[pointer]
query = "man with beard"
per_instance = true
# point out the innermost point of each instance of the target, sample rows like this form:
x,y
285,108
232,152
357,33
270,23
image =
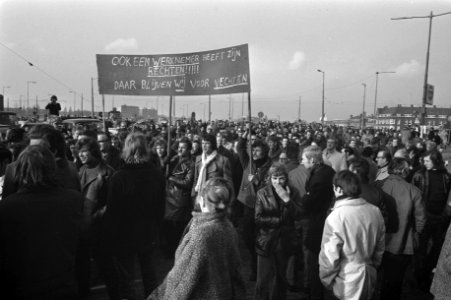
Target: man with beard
x,y
178,205
254,178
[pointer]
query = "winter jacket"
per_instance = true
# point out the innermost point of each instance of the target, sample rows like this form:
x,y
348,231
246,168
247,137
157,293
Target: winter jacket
x,y
207,262
352,248
274,220
410,212
178,189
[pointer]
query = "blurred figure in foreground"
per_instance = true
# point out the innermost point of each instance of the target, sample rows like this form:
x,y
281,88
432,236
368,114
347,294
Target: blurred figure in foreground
x,y
39,231
207,262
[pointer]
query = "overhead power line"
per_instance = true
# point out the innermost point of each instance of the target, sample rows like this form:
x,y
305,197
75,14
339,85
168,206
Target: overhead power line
x,y
38,68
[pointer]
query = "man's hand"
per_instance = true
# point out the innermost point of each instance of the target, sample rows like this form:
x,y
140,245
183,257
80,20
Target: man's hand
x,y
284,194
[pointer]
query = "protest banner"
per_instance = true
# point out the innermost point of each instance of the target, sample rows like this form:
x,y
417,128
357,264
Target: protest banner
x,y
221,71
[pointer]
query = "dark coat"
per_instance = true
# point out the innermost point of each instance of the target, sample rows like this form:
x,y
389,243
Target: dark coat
x,y
178,193
39,231
135,207
207,263
94,191
219,167
274,220
66,176
317,202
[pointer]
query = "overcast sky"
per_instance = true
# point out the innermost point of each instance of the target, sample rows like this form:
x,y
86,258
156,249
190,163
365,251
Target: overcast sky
x,y
288,42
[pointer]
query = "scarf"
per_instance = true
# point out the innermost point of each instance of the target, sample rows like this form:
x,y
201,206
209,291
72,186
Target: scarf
x,y
206,160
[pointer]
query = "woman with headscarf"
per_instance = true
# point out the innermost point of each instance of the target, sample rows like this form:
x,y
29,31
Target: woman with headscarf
x,y
207,262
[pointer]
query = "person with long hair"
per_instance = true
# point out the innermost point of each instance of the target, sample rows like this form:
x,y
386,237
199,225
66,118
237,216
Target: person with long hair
x,y
40,227
434,181
134,212
207,261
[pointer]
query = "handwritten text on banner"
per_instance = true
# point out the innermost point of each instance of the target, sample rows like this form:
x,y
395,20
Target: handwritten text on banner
x,y
221,71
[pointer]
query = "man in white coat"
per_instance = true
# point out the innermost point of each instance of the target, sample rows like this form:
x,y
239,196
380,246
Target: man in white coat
x,y
353,242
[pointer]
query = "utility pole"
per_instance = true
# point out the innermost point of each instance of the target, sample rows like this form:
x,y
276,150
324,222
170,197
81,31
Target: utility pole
x,y
92,97
299,109
425,85
375,91
363,109
82,104
322,106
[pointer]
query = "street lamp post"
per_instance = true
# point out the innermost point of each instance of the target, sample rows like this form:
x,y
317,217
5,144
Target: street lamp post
x,y
4,97
28,92
375,91
425,85
363,108
75,99
322,105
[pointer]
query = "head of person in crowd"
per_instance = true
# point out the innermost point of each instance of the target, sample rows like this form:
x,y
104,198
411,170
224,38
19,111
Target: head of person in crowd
x,y
361,167
260,150
433,160
196,148
368,152
421,146
293,152
346,185
395,142
353,143
216,195
49,136
135,149
209,129
104,141
348,152
331,144
285,141
88,134
6,157
383,158
16,141
160,148
430,145
283,158
312,156
228,143
401,152
77,131
115,142
184,147
72,146
36,168
278,175
219,139
89,152
273,143
414,156
399,166
208,144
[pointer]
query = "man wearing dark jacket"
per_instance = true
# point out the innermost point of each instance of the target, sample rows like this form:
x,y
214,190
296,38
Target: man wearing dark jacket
x,y
315,204
254,178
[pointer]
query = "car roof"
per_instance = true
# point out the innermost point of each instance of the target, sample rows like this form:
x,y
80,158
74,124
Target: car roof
x,y
81,121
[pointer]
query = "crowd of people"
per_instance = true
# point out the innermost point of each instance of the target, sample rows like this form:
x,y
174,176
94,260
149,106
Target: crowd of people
x,y
332,212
